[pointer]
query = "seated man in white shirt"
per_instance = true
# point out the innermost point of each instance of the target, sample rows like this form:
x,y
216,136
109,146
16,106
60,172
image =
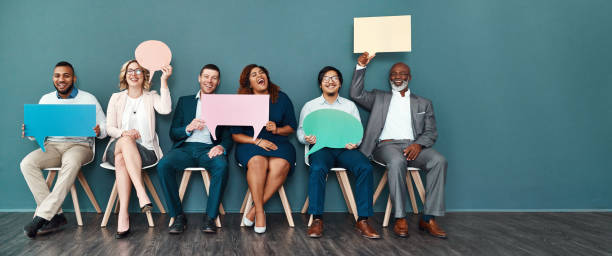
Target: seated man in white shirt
x,y
330,81
68,152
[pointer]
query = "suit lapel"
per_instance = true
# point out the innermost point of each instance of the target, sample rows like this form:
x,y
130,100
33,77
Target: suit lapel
x,y
413,110
385,109
190,112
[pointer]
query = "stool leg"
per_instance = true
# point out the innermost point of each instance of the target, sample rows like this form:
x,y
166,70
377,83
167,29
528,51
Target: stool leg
x,y
305,207
349,193
286,205
387,213
310,220
109,205
117,207
415,209
244,201
153,192
50,177
247,206
184,184
75,202
381,185
419,184
344,193
88,191
207,183
206,180
182,188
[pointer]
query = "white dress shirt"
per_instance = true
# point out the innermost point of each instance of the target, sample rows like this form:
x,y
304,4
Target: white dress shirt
x,y
82,97
398,125
202,136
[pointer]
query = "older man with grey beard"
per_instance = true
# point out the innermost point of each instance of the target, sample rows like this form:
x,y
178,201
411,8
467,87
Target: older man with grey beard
x,y
400,132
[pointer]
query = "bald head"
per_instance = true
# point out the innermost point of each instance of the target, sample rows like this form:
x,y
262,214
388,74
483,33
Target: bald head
x,y
399,73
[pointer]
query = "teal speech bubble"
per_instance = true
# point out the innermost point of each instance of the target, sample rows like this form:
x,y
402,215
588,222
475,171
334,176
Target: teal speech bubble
x,y
333,129
74,120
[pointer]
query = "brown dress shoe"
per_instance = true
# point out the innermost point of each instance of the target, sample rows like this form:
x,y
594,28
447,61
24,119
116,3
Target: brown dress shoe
x,y
401,227
316,228
366,230
432,228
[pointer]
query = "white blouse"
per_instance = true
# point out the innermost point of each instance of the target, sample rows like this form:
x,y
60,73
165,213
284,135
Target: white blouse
x,y
136,117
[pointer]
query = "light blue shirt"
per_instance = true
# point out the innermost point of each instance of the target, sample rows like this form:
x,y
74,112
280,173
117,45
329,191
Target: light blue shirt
x,y
72,95
201,136
341,104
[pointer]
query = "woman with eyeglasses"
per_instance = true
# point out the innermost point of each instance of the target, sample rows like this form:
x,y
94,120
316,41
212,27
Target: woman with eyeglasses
x,y
134,143
270,157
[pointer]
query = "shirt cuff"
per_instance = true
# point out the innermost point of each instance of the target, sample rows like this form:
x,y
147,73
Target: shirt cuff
x,y
188,133
359,67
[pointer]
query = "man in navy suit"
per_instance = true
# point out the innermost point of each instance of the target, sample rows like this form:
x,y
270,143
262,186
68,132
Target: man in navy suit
x,y
194,146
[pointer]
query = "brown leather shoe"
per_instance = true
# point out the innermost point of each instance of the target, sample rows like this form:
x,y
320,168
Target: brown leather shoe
x,y
316,228
432,228
366,230
401,227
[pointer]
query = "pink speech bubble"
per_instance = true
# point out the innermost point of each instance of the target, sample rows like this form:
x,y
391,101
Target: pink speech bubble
x,y
153,55
235,110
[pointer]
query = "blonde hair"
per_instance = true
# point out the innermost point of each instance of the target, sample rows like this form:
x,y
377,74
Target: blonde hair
x,y
123,76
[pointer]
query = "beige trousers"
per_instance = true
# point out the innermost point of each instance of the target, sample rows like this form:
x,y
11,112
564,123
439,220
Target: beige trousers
x,y
70,157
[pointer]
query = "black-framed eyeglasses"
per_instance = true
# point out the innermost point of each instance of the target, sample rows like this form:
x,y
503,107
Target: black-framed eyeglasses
x,y
331,78
134,71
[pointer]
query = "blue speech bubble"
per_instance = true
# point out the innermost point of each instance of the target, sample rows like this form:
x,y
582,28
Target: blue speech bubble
x,y
333,129
73,120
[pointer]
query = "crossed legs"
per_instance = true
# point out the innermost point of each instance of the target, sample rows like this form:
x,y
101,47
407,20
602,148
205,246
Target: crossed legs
x,y
128,168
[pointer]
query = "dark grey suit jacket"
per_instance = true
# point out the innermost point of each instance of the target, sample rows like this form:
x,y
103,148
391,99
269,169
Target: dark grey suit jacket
x,y
377,102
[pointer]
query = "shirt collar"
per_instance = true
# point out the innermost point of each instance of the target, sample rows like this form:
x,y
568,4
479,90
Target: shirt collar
x,y
198,94
72,95
323,101
407,94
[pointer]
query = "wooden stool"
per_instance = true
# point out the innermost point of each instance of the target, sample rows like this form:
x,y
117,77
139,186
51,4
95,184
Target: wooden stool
x,y
75,200
414,172
113,196
347,192
185,183
345,186
248,201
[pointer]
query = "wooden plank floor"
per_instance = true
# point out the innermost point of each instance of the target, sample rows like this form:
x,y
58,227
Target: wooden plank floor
x,y
469,234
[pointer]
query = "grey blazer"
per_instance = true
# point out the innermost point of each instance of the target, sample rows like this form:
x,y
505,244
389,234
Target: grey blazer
x,y
377,102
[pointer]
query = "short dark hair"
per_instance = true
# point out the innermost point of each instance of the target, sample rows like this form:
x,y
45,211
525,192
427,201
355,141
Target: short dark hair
x,y
329,68
65,64
211,66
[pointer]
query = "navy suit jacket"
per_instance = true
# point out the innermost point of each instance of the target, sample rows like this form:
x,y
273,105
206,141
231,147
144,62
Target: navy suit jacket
x,y
183,115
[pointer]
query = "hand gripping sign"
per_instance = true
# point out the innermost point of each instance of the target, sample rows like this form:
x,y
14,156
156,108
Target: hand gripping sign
x,y
235,110
73,120
153,55
333,129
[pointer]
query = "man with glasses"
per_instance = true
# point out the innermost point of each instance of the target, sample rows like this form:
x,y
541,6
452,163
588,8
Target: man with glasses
x,y
330,81
68,152
401,132
193,147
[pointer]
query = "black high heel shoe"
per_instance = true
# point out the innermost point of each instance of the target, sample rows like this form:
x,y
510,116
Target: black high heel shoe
x,y
146,208
121,235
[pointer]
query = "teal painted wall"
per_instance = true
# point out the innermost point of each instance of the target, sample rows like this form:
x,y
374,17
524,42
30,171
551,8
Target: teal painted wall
x,y
521,89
